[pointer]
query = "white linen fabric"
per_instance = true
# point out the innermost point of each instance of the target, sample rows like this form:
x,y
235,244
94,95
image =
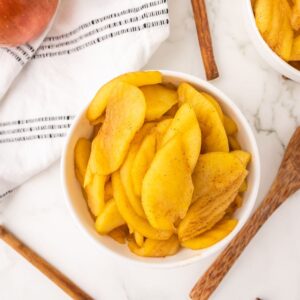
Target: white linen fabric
x,y
44,84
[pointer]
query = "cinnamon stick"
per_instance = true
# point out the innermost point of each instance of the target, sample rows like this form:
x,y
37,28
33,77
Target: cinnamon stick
x,y
204,37
51,272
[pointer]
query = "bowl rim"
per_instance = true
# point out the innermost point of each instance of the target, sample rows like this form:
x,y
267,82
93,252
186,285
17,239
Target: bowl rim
x,y
209,251
275,61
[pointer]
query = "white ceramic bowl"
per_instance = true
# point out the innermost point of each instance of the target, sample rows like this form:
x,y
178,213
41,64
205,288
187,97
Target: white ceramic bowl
x,y
78,207
263,48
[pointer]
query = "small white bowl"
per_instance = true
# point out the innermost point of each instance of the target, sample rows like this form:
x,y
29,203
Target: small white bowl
x,y
263,48
78,207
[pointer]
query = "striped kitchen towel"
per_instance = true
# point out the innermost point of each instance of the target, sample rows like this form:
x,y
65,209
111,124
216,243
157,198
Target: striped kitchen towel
x,y
44,84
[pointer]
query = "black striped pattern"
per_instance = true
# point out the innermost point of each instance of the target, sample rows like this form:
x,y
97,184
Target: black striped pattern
x,y
6,193
32,137
91,33
101,39
34,129
22,54
14,55
96,30
39,119
91,23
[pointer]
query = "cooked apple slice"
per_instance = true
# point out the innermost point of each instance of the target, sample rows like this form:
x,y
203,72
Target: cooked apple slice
x,y
81,157
126,169
271,36
155,248
207,211
286,34
108,191
100,101
263,10
160,130
159,99
229,125
95,194
133,220
109,219
212,236
167,187
243,156
215,172
142,161
186,125
139,239
295,18
215,103
233,143
125,115
295,54
214,137
119,234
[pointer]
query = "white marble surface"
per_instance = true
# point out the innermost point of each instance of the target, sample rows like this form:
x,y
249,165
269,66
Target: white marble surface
x,y
269,268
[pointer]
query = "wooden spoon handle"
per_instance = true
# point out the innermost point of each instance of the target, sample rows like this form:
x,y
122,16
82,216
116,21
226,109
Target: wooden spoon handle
x,y
280,190
51,272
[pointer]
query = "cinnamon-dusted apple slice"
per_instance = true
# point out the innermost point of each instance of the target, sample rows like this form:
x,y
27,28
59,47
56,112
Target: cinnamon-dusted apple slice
x,y
126,169
229,125
263,10
142,161
110,218
167,187
133,220
295,18
243,156
186,125
214,137
100,101
215,103
159,99
81,157
215,172
125,115
139,239
160,130
212,236
207,211
95,193
155,248
119,234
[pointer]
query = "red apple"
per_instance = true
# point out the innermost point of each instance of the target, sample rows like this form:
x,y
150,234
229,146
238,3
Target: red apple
x,y
24,20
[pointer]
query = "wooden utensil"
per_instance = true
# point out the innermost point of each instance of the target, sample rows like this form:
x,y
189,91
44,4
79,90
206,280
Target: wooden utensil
x,y
51,272
204,38
285,184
